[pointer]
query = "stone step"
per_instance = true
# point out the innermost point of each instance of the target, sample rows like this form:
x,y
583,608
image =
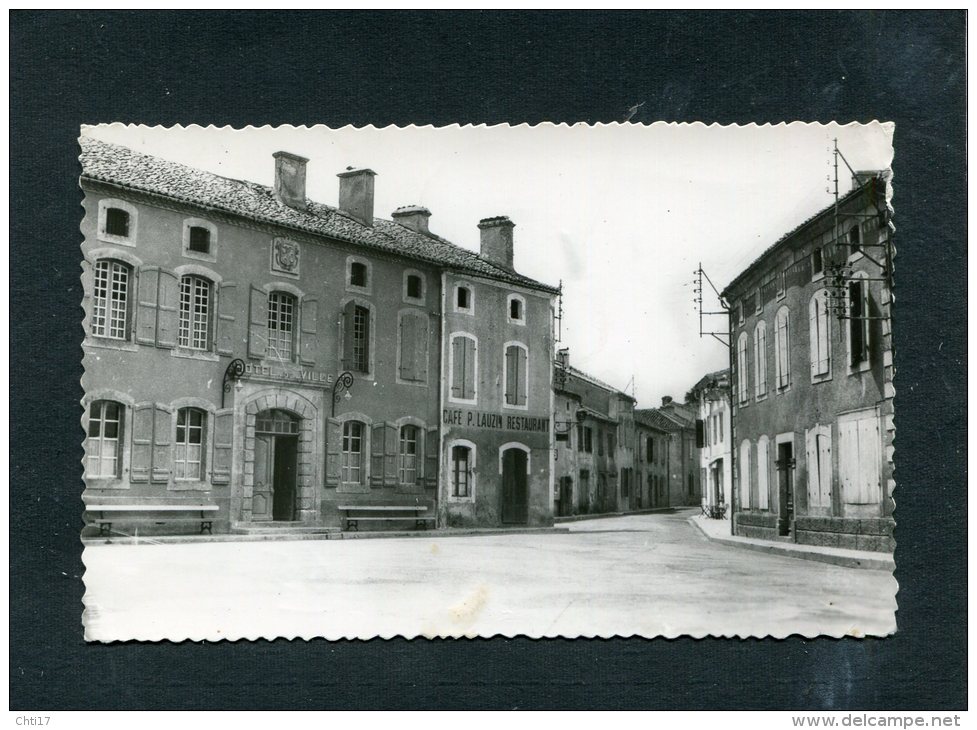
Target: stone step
x,y
280,528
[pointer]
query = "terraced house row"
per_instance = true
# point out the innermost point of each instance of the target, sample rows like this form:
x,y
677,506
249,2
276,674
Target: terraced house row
x,y
275,360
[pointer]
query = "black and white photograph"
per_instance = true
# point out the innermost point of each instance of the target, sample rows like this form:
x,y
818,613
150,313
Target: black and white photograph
x,y
548,381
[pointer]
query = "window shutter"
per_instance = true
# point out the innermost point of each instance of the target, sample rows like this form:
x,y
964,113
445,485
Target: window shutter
x,y
162,445
824,464
510,374
258,323
521,376
848,460
407,346
223,446
813,478
762,472
824,334
856,324
348,316
366,342
762,350
421,337
310,313
141,457
431,449
700,433
227,305
334,438
869,448
458,367
146,305
391,452
376,454
168,311
469,380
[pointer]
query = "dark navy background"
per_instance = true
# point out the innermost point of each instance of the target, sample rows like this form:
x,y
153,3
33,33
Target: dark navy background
x,y
69,68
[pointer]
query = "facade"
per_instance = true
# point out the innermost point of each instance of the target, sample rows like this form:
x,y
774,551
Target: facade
x,y
711,394
653,434
812,380
594,444
279,358
681,488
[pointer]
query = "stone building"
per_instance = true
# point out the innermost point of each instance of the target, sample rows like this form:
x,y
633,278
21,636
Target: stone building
x,y
713,435
277,357
682,459
653,434
594,444
812,380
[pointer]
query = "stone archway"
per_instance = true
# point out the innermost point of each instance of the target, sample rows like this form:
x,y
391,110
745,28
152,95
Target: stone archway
x,y
306,502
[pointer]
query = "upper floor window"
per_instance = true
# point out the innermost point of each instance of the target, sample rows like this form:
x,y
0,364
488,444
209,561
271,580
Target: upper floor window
x,y
854,239
117,222
102,447
760,359
352,453
463,299
464,367
199,239
740,316
281,325
195,310
408,455
610,444
859,311
461,471
413,336
820,329
588,440
741,368
516,374
600,443
650,450
414,287
517,309
358,274
110,314
817,263
188,455
782,348
757,302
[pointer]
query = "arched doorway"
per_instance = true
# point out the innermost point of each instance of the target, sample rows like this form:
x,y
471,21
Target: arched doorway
x,y
515,492
276,438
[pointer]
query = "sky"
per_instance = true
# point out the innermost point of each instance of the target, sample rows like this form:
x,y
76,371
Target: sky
x,y
622,214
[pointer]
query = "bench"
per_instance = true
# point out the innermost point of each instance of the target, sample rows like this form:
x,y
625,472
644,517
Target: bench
x,y
351,514
106,515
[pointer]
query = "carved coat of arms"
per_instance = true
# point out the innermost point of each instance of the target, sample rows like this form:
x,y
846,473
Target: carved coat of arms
x,y
285,256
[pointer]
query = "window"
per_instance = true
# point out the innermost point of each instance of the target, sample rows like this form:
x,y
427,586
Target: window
x,y
782,348
858,321
781,284
281,325
517,309
104,437
194,313
463,367
110,314
760,359
358,275
743,376
199,240
650,446
745,475
820,334
819,467
463,299
719,420
757,302
739,312
817,263
600,443
414,287
859,459
516,375
117,222
461,466
588,440
352,453
188,459
855,239
408,455
762,470
610,444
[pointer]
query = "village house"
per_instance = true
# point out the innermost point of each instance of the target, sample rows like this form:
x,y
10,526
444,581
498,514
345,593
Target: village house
x,y
274,359
812,377
713,438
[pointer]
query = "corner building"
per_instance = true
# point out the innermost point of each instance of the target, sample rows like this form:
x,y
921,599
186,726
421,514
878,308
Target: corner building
x,y
277,357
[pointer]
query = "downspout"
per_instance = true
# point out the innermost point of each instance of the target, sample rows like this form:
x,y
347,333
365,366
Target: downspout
x,y
442,487
733,481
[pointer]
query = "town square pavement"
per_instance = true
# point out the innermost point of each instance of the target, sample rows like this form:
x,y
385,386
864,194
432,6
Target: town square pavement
x,y
650,575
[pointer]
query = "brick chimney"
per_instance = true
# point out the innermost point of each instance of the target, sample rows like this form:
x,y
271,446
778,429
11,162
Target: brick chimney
x,y
290,179
497,240
356,195
414,217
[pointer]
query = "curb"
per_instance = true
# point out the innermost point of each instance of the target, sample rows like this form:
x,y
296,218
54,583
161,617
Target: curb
x,y
844,561
602,515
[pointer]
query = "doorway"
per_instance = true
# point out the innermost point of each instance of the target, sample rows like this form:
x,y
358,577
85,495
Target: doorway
x,y
515,498
275,466
785,486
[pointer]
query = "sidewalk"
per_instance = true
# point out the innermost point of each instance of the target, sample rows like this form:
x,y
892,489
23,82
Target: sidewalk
x,y
600,515
719,531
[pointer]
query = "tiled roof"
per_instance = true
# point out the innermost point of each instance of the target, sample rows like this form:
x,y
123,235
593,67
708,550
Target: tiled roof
x,y
654,418
720,378
599,383
851,195
117,165
594,413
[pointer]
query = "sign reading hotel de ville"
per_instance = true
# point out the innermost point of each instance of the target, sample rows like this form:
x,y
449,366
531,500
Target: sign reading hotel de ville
x,y
287,374
494,421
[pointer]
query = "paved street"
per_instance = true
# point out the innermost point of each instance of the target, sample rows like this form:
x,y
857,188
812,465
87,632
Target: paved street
x,y
644,574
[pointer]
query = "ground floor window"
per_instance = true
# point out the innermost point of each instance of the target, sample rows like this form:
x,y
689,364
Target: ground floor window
x,y
352,454
104,438
408,455
188,458
461,457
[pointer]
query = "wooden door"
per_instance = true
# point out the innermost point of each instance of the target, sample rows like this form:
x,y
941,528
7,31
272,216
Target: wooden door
x,y
283,500
515,499
785,484
262,495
